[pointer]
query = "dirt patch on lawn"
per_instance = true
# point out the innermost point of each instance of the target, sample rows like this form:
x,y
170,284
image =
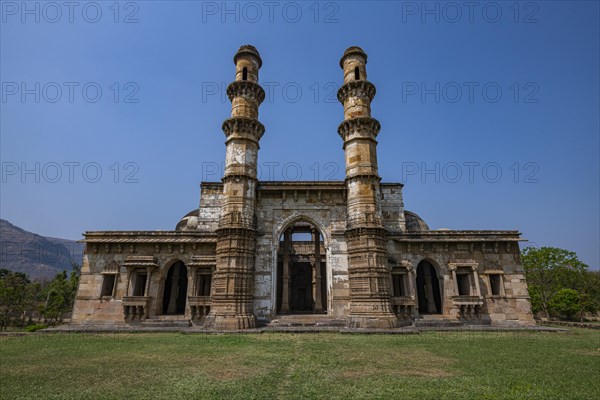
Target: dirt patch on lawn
x,y
225,367
405,362
591,352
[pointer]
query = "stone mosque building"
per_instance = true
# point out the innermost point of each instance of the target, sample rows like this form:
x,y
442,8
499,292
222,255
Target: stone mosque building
x,y
339,253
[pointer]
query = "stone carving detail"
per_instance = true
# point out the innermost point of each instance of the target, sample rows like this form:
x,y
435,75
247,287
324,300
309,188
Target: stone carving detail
x,y
366,127
243,125
356,89
247,89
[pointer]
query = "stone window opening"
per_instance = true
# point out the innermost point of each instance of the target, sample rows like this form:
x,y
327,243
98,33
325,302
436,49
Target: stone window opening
x,y
203,284
108,285
463,282
199,298
245,74
466,279
139,285
356,74
399,284
496,284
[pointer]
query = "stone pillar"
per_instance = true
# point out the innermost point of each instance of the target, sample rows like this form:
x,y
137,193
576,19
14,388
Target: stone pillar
x,y
285,288
429,289
453,269
148,277
172,308
476,277
410,289
368,272
192,289
127,284
233,281
317,272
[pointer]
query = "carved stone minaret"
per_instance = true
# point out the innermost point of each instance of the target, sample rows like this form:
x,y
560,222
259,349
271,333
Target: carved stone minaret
x,y
233,281
369,277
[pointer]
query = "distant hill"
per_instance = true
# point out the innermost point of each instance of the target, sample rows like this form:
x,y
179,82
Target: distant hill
x,y
38,256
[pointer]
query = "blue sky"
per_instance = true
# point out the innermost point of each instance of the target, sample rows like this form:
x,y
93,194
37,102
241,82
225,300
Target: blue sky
x,y
489,110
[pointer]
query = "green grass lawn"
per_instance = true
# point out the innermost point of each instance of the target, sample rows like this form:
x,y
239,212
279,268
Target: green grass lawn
x,y
435,365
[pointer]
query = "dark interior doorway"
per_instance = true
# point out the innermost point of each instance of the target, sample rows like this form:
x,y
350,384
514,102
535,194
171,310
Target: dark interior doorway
x,y
302,299
301,271
428,289
175,292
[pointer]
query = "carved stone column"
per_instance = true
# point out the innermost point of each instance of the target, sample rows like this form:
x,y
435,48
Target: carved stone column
x,y
172,308
317,272
148,276
127,284
429,290
285,288
453,269
476,277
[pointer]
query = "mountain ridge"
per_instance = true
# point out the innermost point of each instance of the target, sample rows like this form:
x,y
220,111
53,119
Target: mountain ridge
x,y
38,256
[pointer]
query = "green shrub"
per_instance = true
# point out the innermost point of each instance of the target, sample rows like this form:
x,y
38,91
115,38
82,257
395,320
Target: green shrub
x,y
35,327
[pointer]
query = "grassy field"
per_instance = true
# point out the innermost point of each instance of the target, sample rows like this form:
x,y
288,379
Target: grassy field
x,y
435,365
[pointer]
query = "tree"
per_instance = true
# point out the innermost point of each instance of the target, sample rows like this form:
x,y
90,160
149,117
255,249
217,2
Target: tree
x,y
16,297
549,270
60,296
566,303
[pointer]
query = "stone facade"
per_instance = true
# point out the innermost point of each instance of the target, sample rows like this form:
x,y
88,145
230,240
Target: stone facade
x,y
256,250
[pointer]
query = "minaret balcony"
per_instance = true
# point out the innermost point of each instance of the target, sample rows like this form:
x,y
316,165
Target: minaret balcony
x,y
242,127
247,89
360,88
362,127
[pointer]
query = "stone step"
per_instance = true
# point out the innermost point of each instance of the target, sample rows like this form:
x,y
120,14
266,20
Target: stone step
x,y
306,320
437,322
435,317
166,323
177,317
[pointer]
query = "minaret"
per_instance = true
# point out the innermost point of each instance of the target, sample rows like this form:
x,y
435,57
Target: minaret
x,y
233,280
369,277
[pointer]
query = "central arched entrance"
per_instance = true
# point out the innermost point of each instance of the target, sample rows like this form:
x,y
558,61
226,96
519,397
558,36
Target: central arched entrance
x,y
175,290
301,270
428,289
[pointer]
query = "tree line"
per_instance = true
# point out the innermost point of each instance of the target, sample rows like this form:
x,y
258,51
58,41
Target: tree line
x,y
33,303
560,285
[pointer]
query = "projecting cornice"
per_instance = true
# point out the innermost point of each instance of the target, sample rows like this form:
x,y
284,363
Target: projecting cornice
x,y
356,89
247,89
359,126
243,125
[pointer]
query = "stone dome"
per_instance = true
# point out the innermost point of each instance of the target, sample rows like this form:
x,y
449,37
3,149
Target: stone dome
x,y
352,50
414,223
189,222
248,49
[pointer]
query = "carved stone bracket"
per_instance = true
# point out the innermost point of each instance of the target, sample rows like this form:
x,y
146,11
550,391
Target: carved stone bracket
x,y
250,126
356,89
247,89
359,125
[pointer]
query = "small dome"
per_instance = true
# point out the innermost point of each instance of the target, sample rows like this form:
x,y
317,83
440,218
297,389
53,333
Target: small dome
x,y
248,49
414,223
189,222
352,50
